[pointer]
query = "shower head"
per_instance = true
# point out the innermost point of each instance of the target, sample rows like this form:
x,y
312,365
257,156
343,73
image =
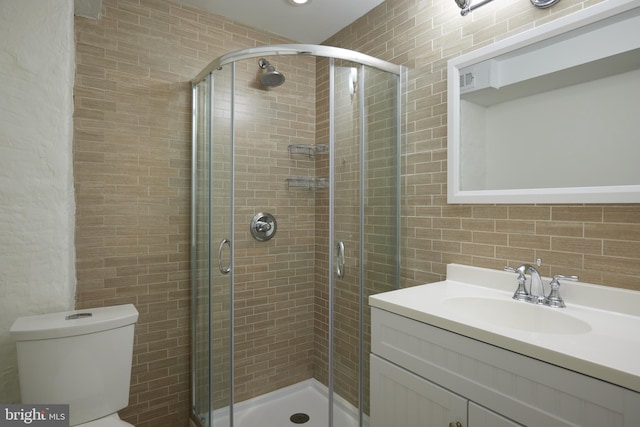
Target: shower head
x,y
271,77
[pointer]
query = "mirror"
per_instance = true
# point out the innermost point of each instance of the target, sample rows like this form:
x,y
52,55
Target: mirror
x,y
550,115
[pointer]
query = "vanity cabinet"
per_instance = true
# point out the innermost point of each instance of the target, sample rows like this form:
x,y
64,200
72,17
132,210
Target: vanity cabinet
x,y
422,375
402,398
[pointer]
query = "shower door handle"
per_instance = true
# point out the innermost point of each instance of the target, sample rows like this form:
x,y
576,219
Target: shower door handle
x,y
340,260
227,269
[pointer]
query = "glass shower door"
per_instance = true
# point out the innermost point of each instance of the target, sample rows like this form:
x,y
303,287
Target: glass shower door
x,y
346,250
221,198
365,228
212,250
380,200
347,233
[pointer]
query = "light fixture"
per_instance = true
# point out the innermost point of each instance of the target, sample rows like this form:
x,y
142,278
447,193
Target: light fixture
x,y
467,7
299,2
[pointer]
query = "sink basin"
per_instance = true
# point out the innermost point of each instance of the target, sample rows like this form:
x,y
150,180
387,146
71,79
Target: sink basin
x,y
517,315
595,335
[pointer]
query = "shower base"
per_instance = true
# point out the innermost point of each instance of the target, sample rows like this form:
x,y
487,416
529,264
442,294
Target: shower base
x,y
277,408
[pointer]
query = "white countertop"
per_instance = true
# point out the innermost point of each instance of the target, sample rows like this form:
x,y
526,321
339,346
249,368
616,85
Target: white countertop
x,y
602,338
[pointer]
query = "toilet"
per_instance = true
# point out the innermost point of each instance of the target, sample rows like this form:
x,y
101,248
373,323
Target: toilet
x,y
81,358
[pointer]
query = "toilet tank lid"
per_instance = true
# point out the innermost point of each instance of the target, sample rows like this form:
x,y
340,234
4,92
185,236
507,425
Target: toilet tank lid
x,y
71,323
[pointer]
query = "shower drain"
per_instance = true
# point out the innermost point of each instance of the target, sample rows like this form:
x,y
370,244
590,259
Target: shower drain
x,y
299,418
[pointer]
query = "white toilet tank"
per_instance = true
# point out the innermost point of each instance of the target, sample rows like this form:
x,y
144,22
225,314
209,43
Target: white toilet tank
x,y
80,357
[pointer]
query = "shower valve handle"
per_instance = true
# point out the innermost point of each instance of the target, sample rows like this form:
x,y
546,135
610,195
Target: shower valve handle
x,y
263,226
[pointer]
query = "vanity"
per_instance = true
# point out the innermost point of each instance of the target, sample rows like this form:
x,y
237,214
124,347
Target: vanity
x,y
463,352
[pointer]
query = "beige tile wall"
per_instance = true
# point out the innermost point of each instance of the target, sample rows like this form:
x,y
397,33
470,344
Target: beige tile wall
x,y
131,167
274,279
600,243
132,156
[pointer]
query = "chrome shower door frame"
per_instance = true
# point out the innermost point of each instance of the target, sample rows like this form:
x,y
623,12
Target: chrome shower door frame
x,y
215,245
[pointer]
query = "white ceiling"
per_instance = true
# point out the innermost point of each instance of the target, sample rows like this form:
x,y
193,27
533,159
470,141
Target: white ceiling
x,y
312,23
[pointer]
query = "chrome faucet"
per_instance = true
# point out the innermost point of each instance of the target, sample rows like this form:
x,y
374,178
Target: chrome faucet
x,y
535,294
521,293
536,287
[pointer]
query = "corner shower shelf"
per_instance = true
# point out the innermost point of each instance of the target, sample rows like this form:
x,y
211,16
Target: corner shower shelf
x,y
307,182
309,150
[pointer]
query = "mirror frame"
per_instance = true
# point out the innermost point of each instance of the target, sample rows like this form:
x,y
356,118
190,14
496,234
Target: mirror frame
x,y
596,194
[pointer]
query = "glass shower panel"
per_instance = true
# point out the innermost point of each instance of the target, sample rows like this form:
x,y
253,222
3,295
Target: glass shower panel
x,y
211,257
381,200
347,136
221,222
200,253
366,204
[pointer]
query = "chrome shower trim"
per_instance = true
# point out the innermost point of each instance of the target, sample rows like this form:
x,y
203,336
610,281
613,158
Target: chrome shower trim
x,y
332,198
297,49
232,280
362,244
192,243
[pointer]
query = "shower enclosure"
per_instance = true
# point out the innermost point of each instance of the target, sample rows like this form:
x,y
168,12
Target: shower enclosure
x,y
295,222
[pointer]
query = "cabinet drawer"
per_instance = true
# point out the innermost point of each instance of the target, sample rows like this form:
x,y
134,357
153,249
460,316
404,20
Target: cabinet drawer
x,y
523,389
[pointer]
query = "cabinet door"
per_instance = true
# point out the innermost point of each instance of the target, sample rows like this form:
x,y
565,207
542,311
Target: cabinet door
x,y
400,398
482,417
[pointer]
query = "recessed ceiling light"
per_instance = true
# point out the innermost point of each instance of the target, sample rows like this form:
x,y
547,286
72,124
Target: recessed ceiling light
x,y
299,2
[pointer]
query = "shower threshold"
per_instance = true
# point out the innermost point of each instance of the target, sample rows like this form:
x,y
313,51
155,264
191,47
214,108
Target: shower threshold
x,y
287,407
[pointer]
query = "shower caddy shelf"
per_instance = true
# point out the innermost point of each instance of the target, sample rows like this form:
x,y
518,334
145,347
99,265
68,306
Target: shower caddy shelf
x,y
310,183
309,150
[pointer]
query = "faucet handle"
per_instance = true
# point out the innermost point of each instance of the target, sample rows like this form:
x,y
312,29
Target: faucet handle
x,y
520,270
554,299
521,293
561,277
